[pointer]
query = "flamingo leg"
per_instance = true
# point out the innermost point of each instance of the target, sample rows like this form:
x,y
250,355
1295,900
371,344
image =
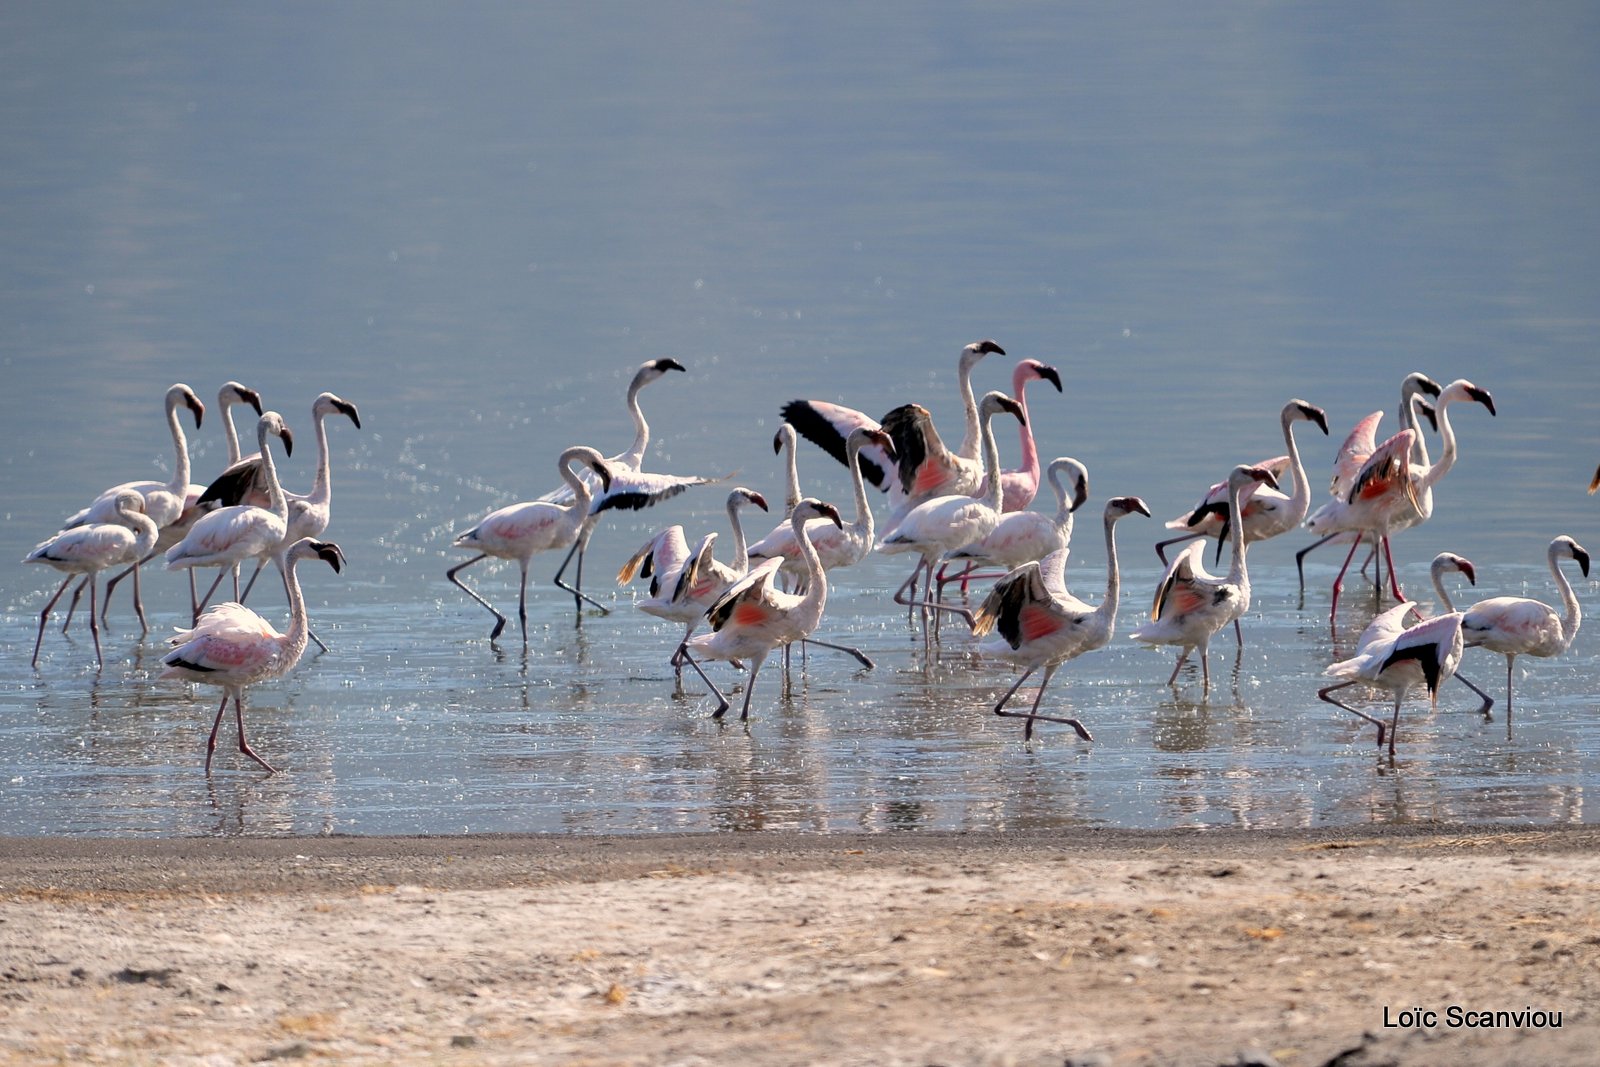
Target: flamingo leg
x,y
44,617
216,724
72,605
1300,560
209,592
1162,546
906,594
755,669
1338,583
1510,660
251,584
1205,669
522,602
500,620
1014,687
1394,581
1238,634
244,746
578,595
1032,714
138,600
860,656
1394,724
1322,694
111,584
722,701
1488,701
94,623
1178,666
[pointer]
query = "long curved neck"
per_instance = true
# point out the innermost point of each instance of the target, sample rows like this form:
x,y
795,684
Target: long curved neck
x,y
993,491
582,494
1063,506
791,493
1409,421
1237,575
1441,592
1300,499
1447,438
973,432
299,625
816,595
863,505
1030,451
229,431
179,485
1108,607
741,556
276,502
1573,616
641,429
322,490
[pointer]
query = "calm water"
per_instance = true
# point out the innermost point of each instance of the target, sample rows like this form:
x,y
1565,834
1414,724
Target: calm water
x,y
475,221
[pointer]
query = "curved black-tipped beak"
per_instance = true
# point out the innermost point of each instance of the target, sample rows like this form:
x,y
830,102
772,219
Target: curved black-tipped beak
x,y
288,441
1049,374
1008,404
759,501
777,442
989,348
1481,396
251,397
1137,504
1466,567
885,442
1267,477
331,554
1583,560
1316,415
199,409
349,409
831,513
1427,384
1080,494
1430,413
669,364
604,473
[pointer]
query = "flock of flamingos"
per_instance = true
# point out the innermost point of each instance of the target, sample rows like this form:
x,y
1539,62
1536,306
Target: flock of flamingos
x,y
962,516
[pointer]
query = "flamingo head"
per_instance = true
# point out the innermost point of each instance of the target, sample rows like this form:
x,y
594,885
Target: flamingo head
x,y
747,496
272,423
996,401
1118,506
1032,370
862,436
182,394
1244,475
1417,382
235,393
1567,546
1302,411
784,436
327,551
329,404
1449,561
812,508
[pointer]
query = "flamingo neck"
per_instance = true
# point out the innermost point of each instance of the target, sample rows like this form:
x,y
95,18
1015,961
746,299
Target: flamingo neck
x,y
972,433
1440,591
1300,499
229,431
816,594
863,505
299,626
322,490
1409,421
1447,438
1107,611
641,429
741,554
1237,575
1572,618
179,485
276,502
1030,452
582,494
994,492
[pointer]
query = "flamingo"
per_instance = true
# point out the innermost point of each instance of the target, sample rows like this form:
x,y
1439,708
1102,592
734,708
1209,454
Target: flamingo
x,y
233,647
1267,513
309,513
163,501
1025,536
836,546
666,560
629,489
925,467
1042,625
753,616
1191,605
231,535
1518,626
231,394
92,547
1393,491
1358,446
1398,658
945,523
517,531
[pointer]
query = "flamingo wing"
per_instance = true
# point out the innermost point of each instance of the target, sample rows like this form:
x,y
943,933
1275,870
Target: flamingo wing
x,y
1353,453
635,490
828,426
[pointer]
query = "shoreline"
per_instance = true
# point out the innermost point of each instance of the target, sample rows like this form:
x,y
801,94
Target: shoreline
x,y
1091,946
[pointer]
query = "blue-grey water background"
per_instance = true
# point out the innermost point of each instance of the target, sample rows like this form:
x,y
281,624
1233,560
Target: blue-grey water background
x,y
474,221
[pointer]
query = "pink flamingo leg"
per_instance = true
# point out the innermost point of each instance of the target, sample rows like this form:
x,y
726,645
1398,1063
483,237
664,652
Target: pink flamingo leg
x,y
1338,583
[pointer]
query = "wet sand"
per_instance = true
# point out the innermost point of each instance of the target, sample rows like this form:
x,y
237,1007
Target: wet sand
x,y
1085,947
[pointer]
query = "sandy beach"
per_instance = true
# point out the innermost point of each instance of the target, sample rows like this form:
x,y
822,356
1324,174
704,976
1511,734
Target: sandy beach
x,y
1103,948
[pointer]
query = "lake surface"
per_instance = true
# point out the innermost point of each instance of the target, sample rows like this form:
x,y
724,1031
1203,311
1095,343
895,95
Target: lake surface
x,y
475,221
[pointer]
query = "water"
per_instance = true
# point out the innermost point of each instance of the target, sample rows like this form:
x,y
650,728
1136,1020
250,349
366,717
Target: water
x,y
475,222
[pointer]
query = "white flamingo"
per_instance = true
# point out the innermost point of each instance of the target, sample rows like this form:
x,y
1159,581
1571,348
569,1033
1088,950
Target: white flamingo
x,y
231,394
233,647
923,467
163,501
1519,626
666,560
1398,658
93,547
231,535
946,523
1040,624
1267,512
1191,605
518,531
629,489
753,616
1025,536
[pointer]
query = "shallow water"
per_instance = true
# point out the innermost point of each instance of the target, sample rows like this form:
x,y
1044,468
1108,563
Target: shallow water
x,y
476,224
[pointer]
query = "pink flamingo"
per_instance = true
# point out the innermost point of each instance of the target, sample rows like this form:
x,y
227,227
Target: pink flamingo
x,y
519,531
1042,625
93,547
753,617
233,647
1025,536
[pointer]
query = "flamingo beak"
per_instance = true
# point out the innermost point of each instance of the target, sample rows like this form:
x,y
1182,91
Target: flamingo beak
x,y
1049,374
347,408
